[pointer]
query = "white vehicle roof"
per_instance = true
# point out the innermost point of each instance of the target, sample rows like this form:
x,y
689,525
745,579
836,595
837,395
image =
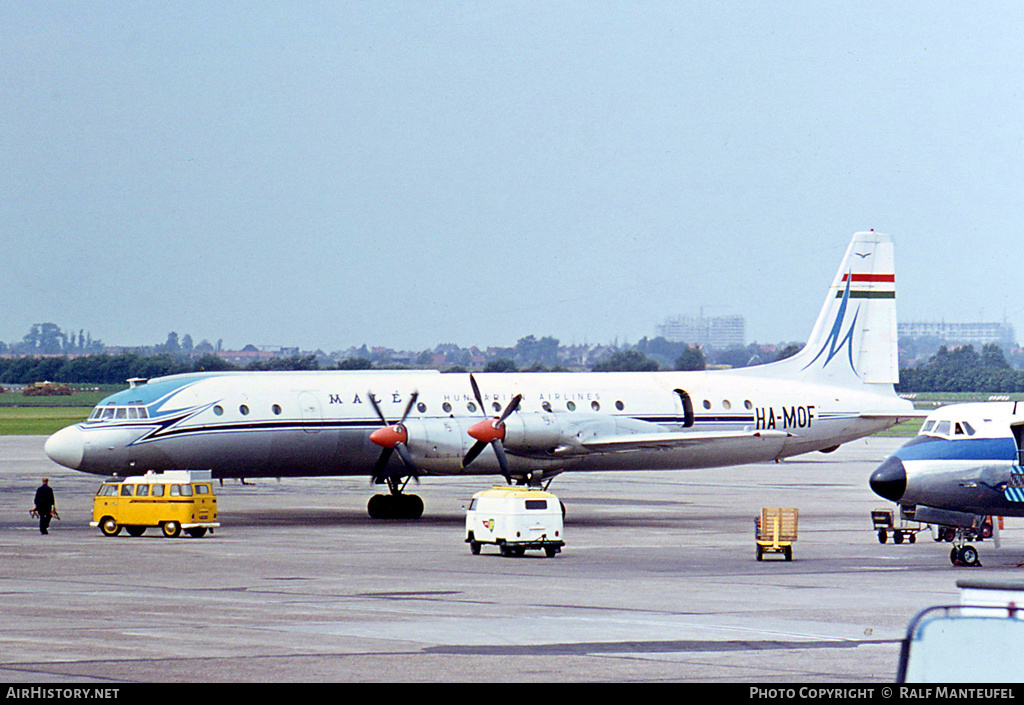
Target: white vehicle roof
x,y
167,477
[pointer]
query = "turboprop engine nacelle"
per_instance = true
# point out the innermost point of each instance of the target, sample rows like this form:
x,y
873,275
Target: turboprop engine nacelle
x,y
566,433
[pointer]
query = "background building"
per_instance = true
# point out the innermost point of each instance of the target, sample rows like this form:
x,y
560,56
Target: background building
x,y
713,331
976,334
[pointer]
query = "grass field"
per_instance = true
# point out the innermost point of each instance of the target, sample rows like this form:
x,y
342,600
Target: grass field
x,y
39,420
32,416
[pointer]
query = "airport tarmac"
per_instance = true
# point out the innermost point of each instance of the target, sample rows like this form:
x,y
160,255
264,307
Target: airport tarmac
x,y
657,583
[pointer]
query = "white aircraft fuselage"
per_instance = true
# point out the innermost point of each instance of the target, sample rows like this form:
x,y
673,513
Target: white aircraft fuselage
x,y
522,425
276,424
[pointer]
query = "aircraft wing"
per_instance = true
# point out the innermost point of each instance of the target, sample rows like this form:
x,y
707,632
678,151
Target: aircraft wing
x,y
681,439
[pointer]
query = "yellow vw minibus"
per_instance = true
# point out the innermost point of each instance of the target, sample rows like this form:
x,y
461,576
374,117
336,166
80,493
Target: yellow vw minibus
x,y
172,500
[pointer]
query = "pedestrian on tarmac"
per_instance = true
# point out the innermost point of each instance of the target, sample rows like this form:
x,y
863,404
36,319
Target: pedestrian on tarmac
x,y
45,506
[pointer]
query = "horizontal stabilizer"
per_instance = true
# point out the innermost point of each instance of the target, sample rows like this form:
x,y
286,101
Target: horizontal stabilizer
x,y
896,417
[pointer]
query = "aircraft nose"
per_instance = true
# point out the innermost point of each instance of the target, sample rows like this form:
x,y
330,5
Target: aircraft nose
x,y
67,447
889,479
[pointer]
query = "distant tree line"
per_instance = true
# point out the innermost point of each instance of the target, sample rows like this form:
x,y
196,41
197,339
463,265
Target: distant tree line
x,y
115,369
963,369
46,353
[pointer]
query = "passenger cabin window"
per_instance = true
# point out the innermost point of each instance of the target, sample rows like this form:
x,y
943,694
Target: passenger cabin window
x,y
142,491
158,490
126,490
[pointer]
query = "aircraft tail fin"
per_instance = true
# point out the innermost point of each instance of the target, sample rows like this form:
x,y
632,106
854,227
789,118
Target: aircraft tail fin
x,y
854,340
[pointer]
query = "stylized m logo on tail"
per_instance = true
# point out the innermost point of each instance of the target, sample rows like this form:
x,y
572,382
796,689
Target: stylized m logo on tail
x,y
834,344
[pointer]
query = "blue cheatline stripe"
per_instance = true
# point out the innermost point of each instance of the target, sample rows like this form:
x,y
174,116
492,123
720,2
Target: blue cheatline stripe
x,y
932,448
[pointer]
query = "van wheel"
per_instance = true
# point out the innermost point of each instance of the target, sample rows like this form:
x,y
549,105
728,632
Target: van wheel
x,y
171,529
109,527
197,533
135,530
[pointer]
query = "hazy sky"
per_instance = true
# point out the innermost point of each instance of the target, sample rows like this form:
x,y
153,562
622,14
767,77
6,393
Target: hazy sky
x,y
327,174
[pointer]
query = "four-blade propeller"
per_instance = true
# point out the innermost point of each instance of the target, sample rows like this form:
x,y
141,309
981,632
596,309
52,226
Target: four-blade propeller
x,y
392,437
491,431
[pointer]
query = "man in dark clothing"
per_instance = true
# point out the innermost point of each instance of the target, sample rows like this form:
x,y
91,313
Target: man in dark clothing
x,y
46,505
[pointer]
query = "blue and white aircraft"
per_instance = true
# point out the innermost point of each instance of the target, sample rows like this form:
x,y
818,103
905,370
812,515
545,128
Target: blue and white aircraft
x,y
397,425
963,467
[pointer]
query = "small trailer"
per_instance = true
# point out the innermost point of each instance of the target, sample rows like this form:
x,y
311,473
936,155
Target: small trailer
x,y
884,522
775,531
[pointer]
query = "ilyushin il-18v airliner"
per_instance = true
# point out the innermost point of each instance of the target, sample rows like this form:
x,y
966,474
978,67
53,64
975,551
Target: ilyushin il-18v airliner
x,y
528,427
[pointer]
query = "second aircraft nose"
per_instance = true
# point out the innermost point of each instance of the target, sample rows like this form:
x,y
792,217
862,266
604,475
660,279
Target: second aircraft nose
x,y
67,447
889,479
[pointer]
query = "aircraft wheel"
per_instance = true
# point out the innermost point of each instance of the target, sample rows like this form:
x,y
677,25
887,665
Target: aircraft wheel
x,y
969,556
109,527
171,529
375,507
954,556
412,506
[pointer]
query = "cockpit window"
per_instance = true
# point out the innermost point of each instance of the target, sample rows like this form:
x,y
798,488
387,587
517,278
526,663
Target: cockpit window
x,y
947,429
106,413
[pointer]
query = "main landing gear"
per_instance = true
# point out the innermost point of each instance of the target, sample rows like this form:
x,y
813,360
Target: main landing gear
x,y
396,505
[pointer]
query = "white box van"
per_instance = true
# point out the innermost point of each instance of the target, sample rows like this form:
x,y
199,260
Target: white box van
x,y
515,519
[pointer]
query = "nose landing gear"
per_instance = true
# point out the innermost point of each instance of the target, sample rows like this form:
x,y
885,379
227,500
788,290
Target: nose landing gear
x,y
962,552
